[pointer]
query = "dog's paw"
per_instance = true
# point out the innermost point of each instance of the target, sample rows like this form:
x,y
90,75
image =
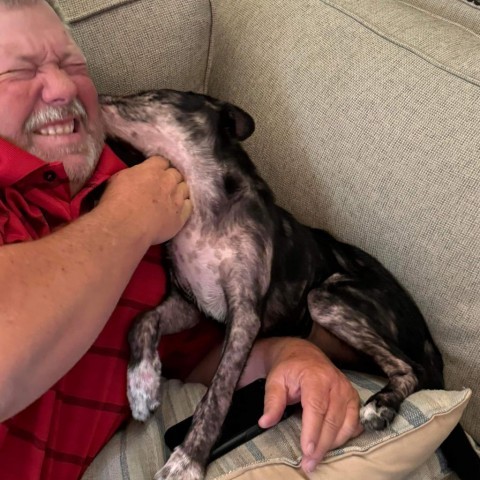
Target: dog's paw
x,y
180,467
143,388
374,416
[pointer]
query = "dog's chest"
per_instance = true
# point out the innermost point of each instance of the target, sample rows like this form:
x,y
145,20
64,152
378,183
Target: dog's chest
x,y
198,262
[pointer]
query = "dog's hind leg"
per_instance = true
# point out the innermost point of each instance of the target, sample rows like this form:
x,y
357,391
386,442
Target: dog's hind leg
x,y
330,305
144,369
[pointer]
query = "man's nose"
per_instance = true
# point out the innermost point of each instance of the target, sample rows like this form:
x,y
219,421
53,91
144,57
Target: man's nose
x,y
58,87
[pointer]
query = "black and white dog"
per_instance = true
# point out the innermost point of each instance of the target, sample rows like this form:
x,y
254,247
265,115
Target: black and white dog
x,y
244,261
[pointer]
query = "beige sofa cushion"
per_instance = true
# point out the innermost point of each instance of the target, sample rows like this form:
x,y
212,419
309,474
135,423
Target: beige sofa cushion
x,y
367,124
462,12
425,419
134,45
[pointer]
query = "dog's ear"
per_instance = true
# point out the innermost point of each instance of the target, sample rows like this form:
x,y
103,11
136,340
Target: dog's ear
x,y
238,123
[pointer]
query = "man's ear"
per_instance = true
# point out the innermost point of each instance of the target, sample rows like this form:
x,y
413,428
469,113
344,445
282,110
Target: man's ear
x,y
238,123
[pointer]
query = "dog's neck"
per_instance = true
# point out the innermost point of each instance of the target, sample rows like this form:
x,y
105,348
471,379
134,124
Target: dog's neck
x,y
194,160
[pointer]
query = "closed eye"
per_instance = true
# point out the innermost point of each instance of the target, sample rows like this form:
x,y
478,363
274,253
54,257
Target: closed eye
x,y
19,74
75,68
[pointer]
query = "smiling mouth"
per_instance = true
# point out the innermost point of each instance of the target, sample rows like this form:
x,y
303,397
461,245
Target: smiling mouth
x,y
59,128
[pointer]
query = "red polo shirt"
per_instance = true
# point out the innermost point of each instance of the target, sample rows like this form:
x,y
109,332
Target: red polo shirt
x,y
60,433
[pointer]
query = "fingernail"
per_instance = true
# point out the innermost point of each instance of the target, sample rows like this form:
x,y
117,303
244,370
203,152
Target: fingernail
x,y
310,449
310,466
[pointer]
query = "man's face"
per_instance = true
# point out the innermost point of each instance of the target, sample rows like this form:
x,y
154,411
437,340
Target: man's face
x,y
48,103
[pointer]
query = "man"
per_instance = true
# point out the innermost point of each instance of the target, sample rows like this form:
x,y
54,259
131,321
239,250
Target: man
x,y
73,276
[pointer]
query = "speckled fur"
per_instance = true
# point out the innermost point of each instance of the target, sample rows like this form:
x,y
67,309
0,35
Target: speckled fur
x,y
244,261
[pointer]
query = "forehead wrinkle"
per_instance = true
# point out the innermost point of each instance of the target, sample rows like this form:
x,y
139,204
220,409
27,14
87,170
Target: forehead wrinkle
x,y
32,57
34,49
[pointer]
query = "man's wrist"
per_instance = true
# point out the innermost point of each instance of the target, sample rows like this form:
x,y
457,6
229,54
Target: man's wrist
x,y
268,353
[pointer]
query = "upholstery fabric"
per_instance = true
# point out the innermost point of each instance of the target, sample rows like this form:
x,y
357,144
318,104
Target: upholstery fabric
x,y
463,12
367,124
367,116
134,45
425,419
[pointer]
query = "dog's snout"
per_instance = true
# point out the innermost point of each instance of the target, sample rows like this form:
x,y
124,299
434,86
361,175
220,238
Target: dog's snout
x,y
105,99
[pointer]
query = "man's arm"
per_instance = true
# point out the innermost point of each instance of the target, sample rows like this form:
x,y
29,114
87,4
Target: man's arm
x,y
57,293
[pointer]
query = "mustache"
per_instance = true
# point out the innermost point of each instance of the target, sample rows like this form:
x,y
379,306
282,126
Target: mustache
x,y
54,114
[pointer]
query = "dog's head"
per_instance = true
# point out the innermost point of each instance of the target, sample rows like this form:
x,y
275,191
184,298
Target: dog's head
x,y
166,121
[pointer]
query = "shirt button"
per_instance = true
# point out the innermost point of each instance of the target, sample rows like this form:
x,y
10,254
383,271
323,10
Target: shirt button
x,y
49,176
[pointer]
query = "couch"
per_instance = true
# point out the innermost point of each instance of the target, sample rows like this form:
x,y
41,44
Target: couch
x,y
367,124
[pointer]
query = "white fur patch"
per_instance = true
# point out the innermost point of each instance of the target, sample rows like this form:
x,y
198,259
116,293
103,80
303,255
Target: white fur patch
x,y
373,417
180,467
143,387
368,412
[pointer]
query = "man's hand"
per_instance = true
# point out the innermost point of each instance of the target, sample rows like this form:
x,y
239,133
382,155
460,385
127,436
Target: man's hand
x,y
297,371
153,196
58,291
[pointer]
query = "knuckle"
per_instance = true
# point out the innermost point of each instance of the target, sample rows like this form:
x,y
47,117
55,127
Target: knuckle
x,y
351,393
333,422
318,405
160,159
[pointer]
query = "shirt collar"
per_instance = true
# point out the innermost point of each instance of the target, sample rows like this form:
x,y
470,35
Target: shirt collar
x,y
17,164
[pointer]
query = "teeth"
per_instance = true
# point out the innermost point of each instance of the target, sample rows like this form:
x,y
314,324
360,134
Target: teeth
x,y
58,129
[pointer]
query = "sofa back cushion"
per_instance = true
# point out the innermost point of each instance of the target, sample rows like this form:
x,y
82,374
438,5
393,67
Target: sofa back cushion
x,y
367,124
134,45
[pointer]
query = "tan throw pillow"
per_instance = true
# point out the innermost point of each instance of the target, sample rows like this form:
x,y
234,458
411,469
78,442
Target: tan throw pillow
x,y
425,419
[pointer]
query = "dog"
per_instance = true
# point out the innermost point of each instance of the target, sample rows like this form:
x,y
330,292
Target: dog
x,y
244,261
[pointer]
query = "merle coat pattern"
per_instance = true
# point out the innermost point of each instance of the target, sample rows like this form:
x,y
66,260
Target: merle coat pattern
x,y
246,262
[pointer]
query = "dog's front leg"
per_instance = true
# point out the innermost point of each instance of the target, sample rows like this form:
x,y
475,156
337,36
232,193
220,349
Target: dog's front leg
x,y
188,461
144,370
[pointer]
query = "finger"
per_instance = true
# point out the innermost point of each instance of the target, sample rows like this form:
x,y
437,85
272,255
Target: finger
x,y
323,417
341,422
351,425
332,424
315,407
274,404
316,452
176,175
162,161
183,190
187,209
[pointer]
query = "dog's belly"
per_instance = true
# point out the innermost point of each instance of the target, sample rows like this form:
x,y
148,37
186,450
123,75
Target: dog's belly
x,y
197,268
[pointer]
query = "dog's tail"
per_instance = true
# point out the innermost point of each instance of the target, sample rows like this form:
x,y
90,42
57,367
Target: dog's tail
x,y
460,455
